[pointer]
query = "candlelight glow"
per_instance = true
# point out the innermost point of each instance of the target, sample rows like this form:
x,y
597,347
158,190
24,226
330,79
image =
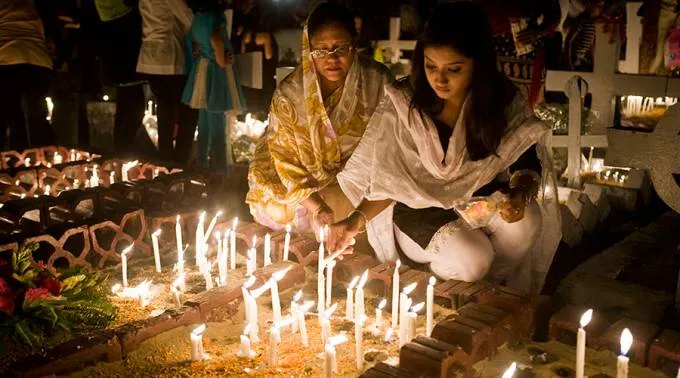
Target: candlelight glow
x,y
199,330
127,250
354,282
115,288
234,223
418,307
433,281
337,339
398,264
297,296
364,278
288,228
408,289
626,341
157,232
254,240
307,306
586,318
511,371
329,311
382,304
278,276
177,219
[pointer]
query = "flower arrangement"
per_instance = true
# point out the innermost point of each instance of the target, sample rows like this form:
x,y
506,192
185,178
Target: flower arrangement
x,y
36,304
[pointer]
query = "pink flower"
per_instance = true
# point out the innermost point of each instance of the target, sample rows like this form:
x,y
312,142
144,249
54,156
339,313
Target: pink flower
x,y
4,287
52,285
34,294
7,304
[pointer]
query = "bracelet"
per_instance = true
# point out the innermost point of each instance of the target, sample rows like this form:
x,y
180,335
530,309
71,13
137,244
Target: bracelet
x,y
363,216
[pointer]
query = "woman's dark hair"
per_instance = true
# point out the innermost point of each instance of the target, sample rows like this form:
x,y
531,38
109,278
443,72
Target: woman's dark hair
x,y
330,13
463,26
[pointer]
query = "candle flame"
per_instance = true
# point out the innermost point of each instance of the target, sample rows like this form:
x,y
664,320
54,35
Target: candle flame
x,y
249,282
408,289
337,339
278,276
511,371
288,228
234,223
586,318
127,249
362,319
218,235
307,306
218,214
197,183
177,219
199,330
398,264
201,218
364,278
382,304
353,282
254,241
329,312
388,334
626,341
297,296
246,329
322,231
156,233
418,307
330,264
433,281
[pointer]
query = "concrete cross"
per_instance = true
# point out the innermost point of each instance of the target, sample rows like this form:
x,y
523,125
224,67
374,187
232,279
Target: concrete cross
x,y
394,43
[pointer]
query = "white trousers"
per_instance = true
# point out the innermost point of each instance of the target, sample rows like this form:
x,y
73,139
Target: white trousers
x,y
493,252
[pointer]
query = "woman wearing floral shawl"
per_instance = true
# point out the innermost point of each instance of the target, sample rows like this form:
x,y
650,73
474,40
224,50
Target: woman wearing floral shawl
x,y
317,117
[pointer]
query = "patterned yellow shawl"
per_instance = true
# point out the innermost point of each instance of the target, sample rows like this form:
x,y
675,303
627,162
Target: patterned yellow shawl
x,y
308,140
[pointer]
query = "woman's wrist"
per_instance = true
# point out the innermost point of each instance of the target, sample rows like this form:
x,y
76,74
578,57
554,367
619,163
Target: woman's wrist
x,y
358,218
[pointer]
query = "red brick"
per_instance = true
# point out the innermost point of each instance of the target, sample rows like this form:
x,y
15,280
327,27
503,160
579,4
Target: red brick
x,y
432,357
643,337
565,323
383,370
666,346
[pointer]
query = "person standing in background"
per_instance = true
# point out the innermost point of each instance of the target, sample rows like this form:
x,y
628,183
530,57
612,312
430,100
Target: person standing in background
x,y
25,66
121,38
165,26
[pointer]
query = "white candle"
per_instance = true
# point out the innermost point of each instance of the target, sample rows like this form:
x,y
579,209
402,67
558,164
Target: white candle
x,y
94,180
221,260
252,262
378,313
156,252
211,226
359,308
143,293
207,267
274,340
430,306
622,361
276,301
180,251
304,339
581,343
326,323
293,311
286,243
199,239
329,281
27,162
73,155
176,288
395,294
329,360
232,245
123,258
511,371
267,250
678,375
349,309
359,341
196,336
321,291
388,335
404,305
245,351
412,318
57,158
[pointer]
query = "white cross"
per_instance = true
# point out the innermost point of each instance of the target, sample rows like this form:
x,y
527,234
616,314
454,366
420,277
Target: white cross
x,y
394,43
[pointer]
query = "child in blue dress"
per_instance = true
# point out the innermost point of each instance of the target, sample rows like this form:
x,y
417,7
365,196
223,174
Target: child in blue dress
x,y
212,86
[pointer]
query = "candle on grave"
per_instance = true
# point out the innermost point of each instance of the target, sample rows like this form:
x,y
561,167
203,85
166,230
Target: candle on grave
x,y
124,259
196,337
622,361
274,340
232,245
47,190
581,343
57,158
379,313
412,317
326,323
293,311
73,155
245,351
198,248
94,180
359,308
395,294
321,302
112,178
329,281
304,339
678,375
207,267
429,299
276,301
221,260
251,262
404,305
267,250
246,298
156,252
286,243
143,293
349,303
27,162
211,226
176,288
359,341
254,244
330,357
511,371
388,335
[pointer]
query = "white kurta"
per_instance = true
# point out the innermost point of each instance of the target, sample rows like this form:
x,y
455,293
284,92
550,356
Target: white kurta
x,y
401,158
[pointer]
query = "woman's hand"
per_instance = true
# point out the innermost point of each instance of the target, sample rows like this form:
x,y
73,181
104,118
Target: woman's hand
x,y
512,209
342,233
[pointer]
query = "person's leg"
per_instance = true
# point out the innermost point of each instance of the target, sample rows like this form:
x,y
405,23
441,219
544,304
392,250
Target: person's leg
x,y
161,86
129,114
186,120
10,100
37,83
218,141
512,242
203,138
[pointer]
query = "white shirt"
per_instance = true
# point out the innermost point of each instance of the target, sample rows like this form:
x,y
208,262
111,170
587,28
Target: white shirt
x,y
165,24
22,37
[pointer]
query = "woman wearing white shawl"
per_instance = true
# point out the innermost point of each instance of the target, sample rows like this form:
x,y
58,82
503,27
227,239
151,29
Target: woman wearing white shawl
x,y
460,130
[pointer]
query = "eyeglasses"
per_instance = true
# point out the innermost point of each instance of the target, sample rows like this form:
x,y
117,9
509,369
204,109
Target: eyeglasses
x,y
338,52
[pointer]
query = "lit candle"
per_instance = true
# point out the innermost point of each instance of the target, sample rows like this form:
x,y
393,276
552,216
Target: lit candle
x,y
511,371
199,239
581,343
349,309
395,294
388,335
47,190
276,301
94,180
267,250
143,293
232,245
293,311
301,321
252,262
196,336
207,267
330,357
378,313
176,288
359,308
27,162
221,260
286,243
123,258
156,252
73,155
57,158
329,281
622,362
404,305
412,318
326,323
245,351
359,341
321,291
430,306
274,340
211,226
